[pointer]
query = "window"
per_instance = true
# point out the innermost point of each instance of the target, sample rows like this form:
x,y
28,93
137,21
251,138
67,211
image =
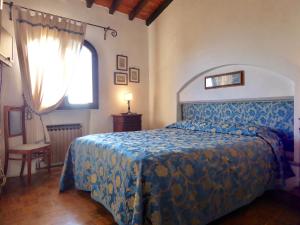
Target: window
x,y
83,90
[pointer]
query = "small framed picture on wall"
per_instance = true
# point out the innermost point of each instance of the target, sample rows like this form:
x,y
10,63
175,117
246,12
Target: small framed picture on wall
x,y
120,78
231,79
122,62
134,75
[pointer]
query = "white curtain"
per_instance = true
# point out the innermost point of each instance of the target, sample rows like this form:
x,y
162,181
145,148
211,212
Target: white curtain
x,y
47,48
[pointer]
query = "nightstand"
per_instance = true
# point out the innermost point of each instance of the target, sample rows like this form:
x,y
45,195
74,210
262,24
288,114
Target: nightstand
x,y
127,122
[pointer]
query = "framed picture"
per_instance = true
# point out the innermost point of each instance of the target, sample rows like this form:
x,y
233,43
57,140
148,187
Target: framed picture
x,y
120,78
225,80
134,75
122,62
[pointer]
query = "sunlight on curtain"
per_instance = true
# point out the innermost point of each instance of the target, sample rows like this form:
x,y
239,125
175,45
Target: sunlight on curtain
x,y
81,88
48,49
48,78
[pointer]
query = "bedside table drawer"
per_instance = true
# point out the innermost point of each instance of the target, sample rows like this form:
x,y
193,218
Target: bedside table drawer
x,y
131,119
131,122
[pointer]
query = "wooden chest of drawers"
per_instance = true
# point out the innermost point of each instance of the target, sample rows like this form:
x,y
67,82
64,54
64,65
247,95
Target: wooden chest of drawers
x,y
127,122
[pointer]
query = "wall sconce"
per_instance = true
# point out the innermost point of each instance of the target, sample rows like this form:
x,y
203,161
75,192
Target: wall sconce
x,y
128,97
1,4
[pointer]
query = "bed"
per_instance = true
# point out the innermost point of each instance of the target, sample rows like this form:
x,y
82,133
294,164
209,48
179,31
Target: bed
x,y
191,172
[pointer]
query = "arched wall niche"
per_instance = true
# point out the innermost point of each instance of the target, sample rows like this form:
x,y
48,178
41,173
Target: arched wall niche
x,y
259,83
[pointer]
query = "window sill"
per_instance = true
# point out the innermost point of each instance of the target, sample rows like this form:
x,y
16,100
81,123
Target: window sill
x,y
72,107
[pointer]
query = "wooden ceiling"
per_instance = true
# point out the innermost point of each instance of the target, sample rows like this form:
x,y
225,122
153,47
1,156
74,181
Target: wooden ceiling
x,y
147,10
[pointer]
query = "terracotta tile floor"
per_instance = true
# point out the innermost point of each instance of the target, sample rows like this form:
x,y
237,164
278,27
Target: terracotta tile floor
x,y
42,204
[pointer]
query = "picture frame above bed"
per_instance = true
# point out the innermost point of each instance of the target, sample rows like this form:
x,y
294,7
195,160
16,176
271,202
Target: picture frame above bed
x,y
230,79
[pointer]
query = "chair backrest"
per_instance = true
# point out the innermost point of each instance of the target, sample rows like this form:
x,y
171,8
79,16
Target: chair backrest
x,y
14,124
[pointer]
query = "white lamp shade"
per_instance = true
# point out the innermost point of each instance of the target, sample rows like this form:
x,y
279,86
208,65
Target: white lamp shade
x,y
128,96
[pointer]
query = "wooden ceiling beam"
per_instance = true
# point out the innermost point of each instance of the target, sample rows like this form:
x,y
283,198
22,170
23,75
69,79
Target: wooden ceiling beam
x,y
114,6
158,11
89,3
139,6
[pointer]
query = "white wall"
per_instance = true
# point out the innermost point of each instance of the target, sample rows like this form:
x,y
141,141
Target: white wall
x,y
193,36
132,41
259,83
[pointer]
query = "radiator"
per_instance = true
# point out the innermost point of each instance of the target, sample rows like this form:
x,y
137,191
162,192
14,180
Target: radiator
x,y
61,137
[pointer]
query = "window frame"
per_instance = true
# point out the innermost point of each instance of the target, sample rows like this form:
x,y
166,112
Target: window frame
x,y
65,105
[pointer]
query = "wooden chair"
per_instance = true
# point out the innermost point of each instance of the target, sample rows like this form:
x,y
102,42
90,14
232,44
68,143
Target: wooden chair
x,y
14,125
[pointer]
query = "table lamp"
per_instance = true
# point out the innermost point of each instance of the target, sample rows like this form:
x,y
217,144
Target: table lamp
x,y
128,97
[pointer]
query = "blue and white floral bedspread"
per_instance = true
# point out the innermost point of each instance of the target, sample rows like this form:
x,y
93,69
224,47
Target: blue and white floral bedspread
x,y
176,175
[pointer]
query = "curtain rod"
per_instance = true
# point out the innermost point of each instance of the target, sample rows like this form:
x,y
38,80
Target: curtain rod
x,y
112,31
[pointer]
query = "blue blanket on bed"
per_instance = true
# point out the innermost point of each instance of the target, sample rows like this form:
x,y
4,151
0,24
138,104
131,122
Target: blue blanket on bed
x,y
184,174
